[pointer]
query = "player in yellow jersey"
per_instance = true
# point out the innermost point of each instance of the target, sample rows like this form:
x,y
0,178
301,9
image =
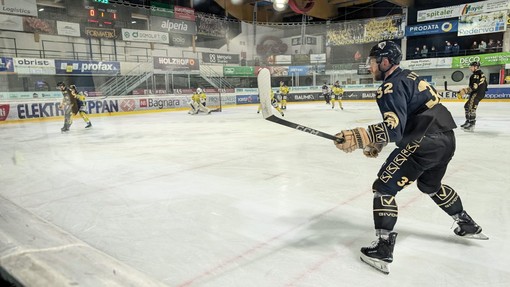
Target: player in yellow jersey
x,y
274,103
82,106
284,91
338,92
198,102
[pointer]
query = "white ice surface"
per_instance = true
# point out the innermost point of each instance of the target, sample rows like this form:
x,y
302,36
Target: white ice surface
x,y
230,199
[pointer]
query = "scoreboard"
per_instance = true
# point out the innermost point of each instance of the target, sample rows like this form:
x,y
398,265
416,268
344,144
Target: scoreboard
x,y
101,14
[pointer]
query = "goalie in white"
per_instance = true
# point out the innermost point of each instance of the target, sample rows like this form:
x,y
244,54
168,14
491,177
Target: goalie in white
x,y
274,103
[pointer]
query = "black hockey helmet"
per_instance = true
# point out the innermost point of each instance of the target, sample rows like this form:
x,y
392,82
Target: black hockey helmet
x,y
61,84
388,49
475,63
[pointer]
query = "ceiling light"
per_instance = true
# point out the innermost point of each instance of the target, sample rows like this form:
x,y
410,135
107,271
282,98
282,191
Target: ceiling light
x,y
280,5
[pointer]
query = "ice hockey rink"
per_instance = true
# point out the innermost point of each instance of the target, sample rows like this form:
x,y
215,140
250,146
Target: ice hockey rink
x,y
232,200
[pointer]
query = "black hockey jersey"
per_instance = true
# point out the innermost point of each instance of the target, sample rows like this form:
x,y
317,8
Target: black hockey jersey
x,y
325,89
410,109
478,83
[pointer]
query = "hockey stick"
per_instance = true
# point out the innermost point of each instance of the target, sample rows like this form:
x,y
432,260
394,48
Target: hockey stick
x,y
446,88
264,85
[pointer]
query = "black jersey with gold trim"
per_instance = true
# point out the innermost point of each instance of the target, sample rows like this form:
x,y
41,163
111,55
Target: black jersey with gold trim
x,y
410,108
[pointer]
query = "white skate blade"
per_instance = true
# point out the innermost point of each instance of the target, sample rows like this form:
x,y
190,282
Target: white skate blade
x,y
379,265
479,236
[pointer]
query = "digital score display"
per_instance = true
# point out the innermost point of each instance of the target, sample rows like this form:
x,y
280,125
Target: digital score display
x,y
101,17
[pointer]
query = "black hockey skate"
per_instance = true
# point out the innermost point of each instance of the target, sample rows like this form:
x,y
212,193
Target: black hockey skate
x,y
464,124
64,129
469,127
380,254
467,227
89,125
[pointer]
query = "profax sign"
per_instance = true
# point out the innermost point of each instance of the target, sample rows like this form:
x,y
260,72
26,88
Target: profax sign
x,y
87,67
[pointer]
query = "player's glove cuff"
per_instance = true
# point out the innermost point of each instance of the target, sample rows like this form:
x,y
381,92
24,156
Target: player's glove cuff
x,y
372,150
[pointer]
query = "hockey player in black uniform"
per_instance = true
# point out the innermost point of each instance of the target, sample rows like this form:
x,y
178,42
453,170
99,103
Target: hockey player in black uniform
x,y
476,90
326,92
68,105
422,129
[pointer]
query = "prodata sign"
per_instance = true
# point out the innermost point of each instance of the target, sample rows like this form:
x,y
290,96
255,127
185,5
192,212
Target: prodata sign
x,y
34,66
215,58
144,36
73,67
172,25
432,28
19,7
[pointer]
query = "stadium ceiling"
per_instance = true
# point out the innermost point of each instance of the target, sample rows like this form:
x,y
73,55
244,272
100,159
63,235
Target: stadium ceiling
x,y
320,10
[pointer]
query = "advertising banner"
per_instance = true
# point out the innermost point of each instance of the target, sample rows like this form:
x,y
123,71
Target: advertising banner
x,y
238,71
300,59
76,67
36,25
184,13
162,9
359,95
6,65
180,40
432,28
100,33
300,70
306,97
34,66
216,58
172,25
175,63
19,7
10,22
365,31
283,59
68,29
492,59
427,63
438,13
482,23
484,7
30,95
317,58
247,99
498,93
144,36
463,9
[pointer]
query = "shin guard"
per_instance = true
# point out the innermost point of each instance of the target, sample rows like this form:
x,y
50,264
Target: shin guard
x,y
385,212
448,200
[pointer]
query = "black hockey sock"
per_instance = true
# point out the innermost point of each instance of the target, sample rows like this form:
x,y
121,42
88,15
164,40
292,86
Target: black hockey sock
x,y
385,212
448,200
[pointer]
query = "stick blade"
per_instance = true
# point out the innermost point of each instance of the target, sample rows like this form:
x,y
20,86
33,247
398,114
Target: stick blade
x,y
264,85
